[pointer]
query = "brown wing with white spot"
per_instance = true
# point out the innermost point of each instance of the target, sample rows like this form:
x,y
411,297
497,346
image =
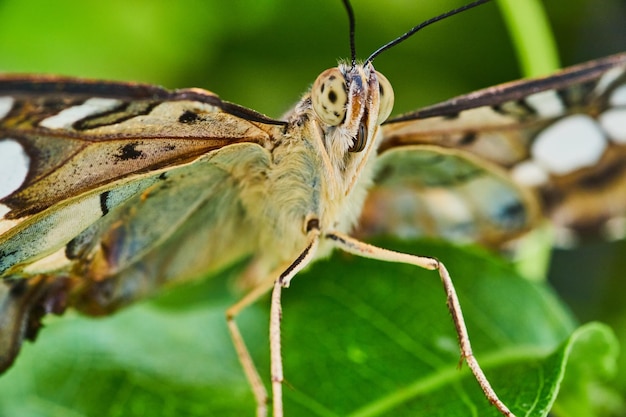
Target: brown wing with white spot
x,y
562,137
78,135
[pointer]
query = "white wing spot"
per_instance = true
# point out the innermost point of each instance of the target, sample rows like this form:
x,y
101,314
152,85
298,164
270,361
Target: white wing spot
x,y
6,104
546,103
451,214
14,164
449,206
608,79
618,96
614,228
67,117
614,123
529,173
4,210
5,224
569,144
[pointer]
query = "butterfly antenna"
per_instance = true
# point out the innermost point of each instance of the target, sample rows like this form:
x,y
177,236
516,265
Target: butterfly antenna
x,y
422,26
348,7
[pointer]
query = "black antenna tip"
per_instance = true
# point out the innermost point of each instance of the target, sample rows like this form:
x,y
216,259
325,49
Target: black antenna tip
x,y
422,25
352,21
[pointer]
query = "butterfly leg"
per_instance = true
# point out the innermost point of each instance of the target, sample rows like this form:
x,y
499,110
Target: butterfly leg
x,y
250,370
275,316
365,250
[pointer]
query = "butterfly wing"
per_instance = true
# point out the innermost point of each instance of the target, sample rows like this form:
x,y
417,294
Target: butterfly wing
x,y
559,141
79,135
123,187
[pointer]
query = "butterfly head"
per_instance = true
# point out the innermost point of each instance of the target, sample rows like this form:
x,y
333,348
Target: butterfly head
x,y
353,101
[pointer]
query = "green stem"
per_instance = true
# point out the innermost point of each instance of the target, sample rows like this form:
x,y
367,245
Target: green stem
x,y
531,33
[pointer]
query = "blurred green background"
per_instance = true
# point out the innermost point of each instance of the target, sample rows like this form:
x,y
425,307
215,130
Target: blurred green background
x,y
263,54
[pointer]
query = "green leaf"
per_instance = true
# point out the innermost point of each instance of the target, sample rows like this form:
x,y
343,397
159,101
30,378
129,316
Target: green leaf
x,y
360,338
592,351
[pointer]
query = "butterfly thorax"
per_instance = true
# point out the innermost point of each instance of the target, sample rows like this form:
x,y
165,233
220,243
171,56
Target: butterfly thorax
x,y
324,164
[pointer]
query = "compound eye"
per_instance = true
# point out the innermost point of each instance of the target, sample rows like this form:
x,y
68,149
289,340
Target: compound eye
x,y
386,97
329,96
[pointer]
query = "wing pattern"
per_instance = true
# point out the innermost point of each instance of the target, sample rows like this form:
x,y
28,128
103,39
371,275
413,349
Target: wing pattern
x,y
561,140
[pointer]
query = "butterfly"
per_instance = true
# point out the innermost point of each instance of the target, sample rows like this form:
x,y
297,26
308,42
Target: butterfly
x,y
107,125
